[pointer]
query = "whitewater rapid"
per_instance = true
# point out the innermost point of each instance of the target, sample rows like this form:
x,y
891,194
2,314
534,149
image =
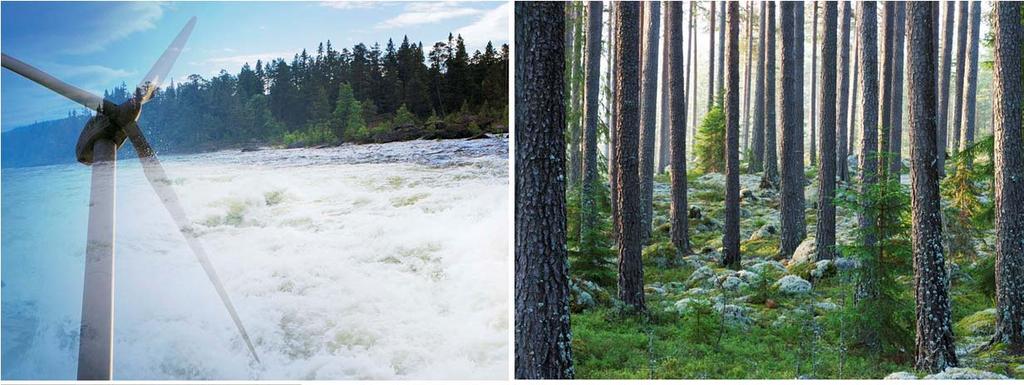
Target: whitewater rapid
x,y
355,262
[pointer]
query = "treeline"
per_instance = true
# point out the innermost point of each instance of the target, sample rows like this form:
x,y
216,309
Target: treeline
x,y
362,94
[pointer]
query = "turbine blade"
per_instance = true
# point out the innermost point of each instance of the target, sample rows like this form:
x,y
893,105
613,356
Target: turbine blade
x,y
161,184
78,95
163,65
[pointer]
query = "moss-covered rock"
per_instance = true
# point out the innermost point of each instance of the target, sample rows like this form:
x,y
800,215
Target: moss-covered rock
x,y
977,324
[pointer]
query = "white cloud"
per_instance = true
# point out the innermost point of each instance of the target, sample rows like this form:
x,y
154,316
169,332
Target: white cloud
x,y
233,63
350,4
427,13
116,24
491,26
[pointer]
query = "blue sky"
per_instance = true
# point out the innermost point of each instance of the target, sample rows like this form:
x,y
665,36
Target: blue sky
x,y
98,45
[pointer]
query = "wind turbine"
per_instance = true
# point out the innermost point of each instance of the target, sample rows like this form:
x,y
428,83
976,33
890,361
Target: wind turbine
x,y
97,147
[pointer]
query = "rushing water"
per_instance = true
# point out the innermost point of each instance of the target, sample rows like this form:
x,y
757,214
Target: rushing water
x,y
356,262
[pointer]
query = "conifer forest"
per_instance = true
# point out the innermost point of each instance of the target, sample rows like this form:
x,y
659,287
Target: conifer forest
x,y
769,190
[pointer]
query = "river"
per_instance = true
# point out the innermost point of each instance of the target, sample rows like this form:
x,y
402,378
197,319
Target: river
x,y
384,261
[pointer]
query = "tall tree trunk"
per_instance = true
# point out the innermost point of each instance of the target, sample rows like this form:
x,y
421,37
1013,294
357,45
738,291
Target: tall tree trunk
x,y
961,66
842,94
935,350
944,79
1009,174
854,87
720,66
663,142
627,149
691,68
798,24
588,205
573,21
746,78
677,127
613,163
867,27
711,60
896,123
885,98
814,81
791,197
543,341
770,178
731,236
825,230
970,101
757,140
648,117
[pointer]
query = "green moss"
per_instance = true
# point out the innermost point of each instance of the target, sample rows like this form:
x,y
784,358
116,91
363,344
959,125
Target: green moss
x,y
977,324
764,247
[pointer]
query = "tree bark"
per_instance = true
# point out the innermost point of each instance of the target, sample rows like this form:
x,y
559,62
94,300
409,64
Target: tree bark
x,y
711,61
720,66
842,94
573,22
814,85
663,141
627,105
677,127
885,98
613,163
825,230
588,206
961,66
1009,174
970,101
731,236
934,339
944,79
648,117
896,122
867,25
543,341
770,178
746,78
757,140
691,68
854,86
791,197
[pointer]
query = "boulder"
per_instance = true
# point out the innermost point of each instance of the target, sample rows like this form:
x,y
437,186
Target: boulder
x,y
733,283
747,276
901,376
695,212
822,268
792,284
965,374
846,264
981,323
747,195
685,305
701,277
805,252
826,306
735,315
764,232
768,267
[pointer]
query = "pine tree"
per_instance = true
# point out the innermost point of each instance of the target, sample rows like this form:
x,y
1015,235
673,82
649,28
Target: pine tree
x,y
731,236
592,91
867,26
961,66
770,177
758,137
825,229
791,197
944,80
842,94
677,130
627,107
1009,174
896,119
970,101
935,350
543,340
648,116
711,60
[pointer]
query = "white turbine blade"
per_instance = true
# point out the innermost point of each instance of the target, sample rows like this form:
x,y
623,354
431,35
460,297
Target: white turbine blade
x,y
161,184
158,74
78,95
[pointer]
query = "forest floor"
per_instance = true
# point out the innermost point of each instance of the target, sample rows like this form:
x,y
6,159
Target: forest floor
x,y
779,317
